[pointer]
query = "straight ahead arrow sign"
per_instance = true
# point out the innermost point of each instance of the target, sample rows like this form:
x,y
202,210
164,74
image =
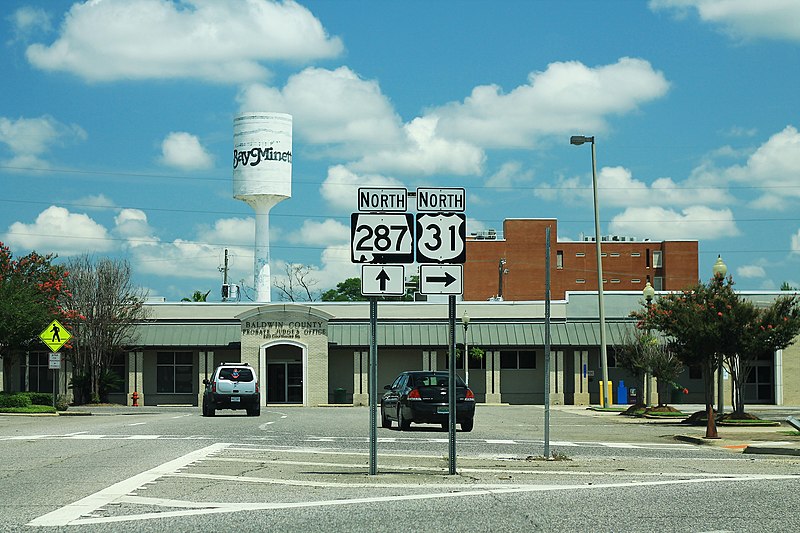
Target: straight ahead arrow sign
x,y
382,278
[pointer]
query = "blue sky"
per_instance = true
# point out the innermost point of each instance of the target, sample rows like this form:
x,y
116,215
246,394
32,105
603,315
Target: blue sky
x,y
116,125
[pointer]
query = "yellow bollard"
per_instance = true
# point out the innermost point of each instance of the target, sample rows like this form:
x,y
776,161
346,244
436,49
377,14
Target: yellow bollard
x,y
610,385
602,403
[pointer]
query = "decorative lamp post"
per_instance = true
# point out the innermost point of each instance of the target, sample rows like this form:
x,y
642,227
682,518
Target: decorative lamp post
x,y
578,140
648,292
720,270
465,321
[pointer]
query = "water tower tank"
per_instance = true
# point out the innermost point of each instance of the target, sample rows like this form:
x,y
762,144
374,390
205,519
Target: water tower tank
x,y
262,177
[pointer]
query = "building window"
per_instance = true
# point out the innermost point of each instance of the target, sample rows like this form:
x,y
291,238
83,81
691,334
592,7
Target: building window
x,y
614,254
580,254
636,280
38,371
517,359
174,372
635,254
560,259
614,280
695,372
647,257
658,283
657,259
580,280
118,368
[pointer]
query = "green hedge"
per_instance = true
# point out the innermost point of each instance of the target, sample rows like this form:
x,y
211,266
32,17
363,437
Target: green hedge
x,y
40,398
15,400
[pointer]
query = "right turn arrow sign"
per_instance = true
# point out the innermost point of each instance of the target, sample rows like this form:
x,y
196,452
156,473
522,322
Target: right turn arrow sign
x,y
441,279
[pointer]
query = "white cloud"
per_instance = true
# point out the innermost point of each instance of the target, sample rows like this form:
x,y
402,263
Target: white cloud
x,y
183,150
223,41
132,226
751,271
618,188
775,19
313,233
795,242
340,188
331,107
57,230
29,139
565,98
773,167
692,223
424,152
28,21
510,174
229,231
96,201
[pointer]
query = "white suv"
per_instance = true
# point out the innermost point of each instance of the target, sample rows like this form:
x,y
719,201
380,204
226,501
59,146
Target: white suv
x,y
232,386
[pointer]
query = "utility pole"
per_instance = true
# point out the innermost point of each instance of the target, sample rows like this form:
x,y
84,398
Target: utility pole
x,y
224,270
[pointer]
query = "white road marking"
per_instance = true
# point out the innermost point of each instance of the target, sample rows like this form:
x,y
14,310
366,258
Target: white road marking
x,y
141,423
74,511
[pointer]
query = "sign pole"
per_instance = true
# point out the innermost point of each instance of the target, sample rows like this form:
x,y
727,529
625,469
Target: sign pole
x,y
373,385
451,308
547,343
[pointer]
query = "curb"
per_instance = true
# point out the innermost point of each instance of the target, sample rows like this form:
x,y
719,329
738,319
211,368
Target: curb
x,y
692,439
772,450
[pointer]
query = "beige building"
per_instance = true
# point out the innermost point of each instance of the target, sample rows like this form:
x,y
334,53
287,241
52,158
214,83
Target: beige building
x,y
317,353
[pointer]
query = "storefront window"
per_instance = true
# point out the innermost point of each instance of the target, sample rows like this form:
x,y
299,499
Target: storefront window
x,y
174,372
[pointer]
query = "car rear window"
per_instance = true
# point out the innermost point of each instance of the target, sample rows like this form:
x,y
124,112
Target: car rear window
x,y
435,380
236,374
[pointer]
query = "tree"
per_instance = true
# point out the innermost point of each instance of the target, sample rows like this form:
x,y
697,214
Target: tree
x,y
642,353
106,309
198,296
711,324
30,289
349,290
698,324
298,283
785,286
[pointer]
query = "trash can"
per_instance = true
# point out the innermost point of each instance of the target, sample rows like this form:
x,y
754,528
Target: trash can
x,y
622,393
339,395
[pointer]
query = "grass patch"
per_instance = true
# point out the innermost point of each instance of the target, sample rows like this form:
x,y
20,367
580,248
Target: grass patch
x,y
30,410
554,456
749,423
790,433
608,409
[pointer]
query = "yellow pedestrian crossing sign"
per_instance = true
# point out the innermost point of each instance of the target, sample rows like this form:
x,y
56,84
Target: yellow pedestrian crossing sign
x,y
55,336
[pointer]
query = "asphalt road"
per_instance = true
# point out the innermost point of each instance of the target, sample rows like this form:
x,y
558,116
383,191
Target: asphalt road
x,y
306,469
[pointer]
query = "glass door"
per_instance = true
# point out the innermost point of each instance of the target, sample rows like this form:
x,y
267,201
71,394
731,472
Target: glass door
x,y
284,382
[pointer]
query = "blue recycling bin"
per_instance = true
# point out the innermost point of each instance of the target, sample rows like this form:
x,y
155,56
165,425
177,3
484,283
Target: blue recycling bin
x,y
622,393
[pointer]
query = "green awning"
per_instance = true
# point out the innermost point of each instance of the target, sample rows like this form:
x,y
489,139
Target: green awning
x,y
492,334
401,334
203,335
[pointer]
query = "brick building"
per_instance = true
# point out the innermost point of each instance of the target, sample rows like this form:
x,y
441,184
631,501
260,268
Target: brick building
x,y
513,266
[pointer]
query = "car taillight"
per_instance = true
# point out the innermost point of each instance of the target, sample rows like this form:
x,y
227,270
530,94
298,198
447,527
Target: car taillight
x,y
256,387
213,386
469,396
414,395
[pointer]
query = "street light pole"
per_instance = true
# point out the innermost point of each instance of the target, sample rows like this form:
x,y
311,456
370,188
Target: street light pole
x,y
465,321
578,140
720,269
648,293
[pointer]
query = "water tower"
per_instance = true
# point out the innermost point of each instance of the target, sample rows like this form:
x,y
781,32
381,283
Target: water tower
x,y
262,177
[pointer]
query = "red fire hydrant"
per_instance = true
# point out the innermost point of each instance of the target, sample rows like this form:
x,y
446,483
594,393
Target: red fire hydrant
x,y
135,397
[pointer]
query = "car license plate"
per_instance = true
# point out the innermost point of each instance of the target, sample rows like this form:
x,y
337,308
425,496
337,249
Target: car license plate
x,y
443,410
234,399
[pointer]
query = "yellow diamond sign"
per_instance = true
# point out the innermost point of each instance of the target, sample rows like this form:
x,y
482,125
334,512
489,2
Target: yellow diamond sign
x,y
55,336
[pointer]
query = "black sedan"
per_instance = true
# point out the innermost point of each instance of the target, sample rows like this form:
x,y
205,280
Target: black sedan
x,y
421,397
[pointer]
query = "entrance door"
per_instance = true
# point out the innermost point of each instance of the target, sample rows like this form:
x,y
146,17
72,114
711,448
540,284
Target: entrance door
x,y
285,382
